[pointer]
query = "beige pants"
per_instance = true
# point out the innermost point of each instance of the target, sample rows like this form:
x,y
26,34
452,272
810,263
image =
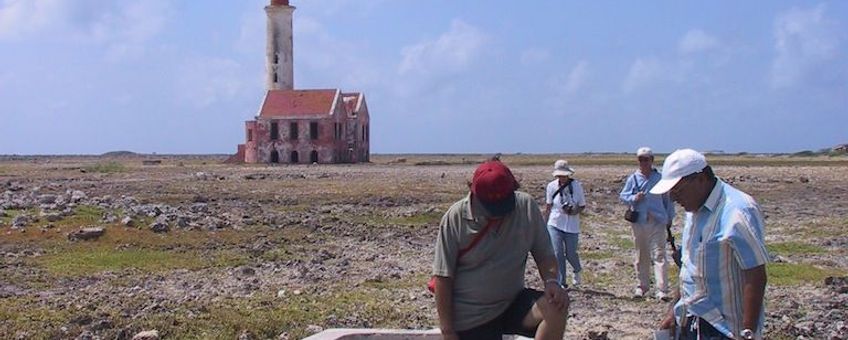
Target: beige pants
x,y
650,239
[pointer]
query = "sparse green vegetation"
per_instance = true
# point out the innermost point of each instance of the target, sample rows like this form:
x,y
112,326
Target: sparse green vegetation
x,y
106,167
791,274
83,261
794,248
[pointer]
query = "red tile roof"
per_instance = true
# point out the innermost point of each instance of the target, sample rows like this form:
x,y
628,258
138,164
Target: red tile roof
x,y
298,103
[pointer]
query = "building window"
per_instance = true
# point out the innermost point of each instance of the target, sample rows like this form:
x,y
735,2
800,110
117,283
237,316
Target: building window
x,y
275,131
294,157
249,135
276,77
313,156
313,130
293,130
276,58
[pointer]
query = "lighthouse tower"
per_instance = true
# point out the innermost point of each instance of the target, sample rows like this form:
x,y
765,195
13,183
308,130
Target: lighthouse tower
x,y
279,63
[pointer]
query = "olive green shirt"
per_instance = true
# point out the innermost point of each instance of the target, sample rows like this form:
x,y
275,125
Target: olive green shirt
x,y
489,276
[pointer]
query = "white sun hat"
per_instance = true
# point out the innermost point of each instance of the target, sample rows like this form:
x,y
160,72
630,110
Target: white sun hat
x,y
561,168
677,165
644,151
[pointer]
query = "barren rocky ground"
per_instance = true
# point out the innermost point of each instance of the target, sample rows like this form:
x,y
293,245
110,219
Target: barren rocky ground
x,y
193,248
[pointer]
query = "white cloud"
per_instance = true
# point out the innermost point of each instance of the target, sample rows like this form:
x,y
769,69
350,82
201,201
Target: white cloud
x,y
452,51
697,41
534,56
123,27
577,77
804,38
204,82
642,72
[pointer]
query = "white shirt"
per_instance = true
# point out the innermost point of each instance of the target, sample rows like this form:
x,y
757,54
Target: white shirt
x,y
558,218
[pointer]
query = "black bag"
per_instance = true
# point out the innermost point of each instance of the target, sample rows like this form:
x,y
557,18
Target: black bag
x,y
631,216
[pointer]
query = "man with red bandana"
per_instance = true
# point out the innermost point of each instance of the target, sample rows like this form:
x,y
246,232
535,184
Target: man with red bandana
x,y
480,291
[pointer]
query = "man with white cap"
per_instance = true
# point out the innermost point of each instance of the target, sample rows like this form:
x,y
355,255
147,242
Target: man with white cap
x,y
654,213
564,200
723,276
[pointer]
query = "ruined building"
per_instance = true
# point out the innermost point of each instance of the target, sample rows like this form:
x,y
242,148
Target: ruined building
x,y
301,126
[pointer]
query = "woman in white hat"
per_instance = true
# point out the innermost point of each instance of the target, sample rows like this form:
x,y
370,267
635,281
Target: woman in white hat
x,y
564,201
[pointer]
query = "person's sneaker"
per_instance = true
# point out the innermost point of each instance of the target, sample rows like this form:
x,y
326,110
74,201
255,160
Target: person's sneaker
x,y
577,280
638,292
662,296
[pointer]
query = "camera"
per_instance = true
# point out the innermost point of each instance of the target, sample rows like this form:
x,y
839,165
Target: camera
x,y
566,206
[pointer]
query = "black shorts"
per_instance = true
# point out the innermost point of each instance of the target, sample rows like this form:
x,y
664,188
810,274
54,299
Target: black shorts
x,y
509,322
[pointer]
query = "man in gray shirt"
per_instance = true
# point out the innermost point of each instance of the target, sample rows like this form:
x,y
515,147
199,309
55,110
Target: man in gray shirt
x,y
480,259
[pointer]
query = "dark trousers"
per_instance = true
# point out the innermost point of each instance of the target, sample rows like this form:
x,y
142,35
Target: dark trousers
x,y
704,329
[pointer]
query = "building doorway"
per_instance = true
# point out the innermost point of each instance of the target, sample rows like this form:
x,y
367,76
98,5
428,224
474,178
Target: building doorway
x,y
275,156
294,158
313,157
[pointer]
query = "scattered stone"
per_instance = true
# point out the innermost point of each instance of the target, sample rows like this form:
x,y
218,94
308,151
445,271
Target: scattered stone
x,y
804,179
77,196
86,234
247,271
159,227
47,199
147,335
246,335
109,218
101,325
128,222
313,329
51,216
21,221
151,162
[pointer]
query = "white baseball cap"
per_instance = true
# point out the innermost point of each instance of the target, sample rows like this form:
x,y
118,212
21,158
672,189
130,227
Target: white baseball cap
x,y
561,168
677,165
644,151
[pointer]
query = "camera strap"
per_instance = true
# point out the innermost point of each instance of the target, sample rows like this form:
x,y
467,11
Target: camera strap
x,y
560,190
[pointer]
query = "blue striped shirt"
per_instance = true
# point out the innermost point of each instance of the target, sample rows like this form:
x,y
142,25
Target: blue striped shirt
x,y
720,240
660,207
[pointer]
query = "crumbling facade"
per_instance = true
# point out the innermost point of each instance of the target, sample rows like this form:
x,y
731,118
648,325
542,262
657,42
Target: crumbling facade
x,y
302,126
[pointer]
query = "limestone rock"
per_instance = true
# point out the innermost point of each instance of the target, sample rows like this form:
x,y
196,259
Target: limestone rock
x,y
85,234
159,227
147,335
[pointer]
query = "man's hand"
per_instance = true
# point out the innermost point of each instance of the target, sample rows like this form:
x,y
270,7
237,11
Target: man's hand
x,y
667,322
639,196
557,296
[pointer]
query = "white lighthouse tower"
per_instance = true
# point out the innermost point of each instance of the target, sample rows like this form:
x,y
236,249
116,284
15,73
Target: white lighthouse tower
x,y
279,62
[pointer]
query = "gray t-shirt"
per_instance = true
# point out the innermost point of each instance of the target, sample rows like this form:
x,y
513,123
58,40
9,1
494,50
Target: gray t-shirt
x,y
489,276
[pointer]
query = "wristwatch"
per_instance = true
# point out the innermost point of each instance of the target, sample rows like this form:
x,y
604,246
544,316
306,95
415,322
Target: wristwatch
x,y
746,334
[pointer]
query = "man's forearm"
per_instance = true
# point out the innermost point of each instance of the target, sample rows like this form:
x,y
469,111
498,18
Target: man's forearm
x,y
547,268
753,291
444,303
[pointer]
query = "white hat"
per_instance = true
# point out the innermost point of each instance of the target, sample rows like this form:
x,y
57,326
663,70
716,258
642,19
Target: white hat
x,y
678,164
644,151
561,168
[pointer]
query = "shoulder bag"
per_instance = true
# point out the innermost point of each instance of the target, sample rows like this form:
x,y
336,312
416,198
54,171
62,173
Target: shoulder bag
x,y
431,284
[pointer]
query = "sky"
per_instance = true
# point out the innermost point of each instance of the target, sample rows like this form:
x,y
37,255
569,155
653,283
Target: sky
x,y
439,76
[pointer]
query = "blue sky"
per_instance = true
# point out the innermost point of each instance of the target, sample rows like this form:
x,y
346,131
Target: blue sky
x,y
440,76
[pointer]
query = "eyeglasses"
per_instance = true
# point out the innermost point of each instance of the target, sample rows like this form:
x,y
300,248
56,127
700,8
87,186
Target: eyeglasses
x,y
677,189
645,159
